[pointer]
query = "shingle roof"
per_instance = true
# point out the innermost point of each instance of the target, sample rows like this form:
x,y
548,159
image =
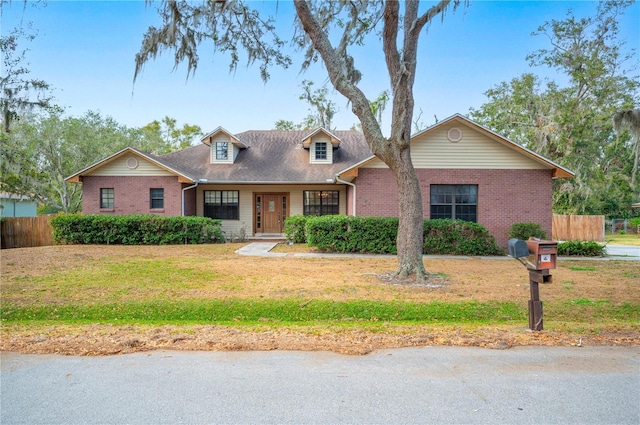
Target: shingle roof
x,y
273,156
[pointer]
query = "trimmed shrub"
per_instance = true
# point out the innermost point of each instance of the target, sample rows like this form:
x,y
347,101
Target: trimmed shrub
x,y
581,249
340,233
378,235
134,229
457,237
525,231
294,228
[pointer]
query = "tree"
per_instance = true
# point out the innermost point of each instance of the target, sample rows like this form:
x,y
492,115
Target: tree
x,y
571,124
325,110
630,119
230,24
42,150
18,92
161,137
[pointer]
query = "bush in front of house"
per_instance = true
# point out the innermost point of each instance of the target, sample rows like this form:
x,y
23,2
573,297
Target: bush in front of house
x,y
378,235
457,237
294,228
582,249
134,229
341,233
525,231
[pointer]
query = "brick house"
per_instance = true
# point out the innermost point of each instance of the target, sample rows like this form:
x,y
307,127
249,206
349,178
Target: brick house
x,y
253,180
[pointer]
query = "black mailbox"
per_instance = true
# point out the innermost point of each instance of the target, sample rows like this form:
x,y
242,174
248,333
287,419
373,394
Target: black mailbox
x,y
518,248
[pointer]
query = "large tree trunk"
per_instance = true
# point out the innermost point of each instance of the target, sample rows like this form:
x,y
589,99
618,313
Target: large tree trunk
x,y
410,238
394,151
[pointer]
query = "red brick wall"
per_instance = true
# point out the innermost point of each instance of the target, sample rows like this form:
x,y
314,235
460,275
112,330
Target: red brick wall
x,y
504,196
131,194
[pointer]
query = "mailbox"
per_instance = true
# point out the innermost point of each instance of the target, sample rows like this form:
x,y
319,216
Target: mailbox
x,y
518,248
544,253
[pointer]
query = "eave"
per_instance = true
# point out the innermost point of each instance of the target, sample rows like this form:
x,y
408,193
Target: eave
x,y
306,141
77,177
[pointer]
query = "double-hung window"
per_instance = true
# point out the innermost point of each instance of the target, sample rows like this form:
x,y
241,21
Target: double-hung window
x,y
222,204
157,198
106,198
454,201
321,202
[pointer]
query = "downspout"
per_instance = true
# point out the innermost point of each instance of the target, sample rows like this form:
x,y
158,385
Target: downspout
x,y
354,192
187,188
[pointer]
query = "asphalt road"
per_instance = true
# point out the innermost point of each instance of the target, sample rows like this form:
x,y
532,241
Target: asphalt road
x,y
428,385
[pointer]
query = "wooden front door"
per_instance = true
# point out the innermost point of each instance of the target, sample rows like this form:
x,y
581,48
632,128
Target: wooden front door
x,y
271,210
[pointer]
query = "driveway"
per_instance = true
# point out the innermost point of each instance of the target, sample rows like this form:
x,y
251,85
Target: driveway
x,y
428,385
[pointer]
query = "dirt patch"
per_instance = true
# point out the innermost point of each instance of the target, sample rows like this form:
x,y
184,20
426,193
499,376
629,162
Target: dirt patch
x,y
73,274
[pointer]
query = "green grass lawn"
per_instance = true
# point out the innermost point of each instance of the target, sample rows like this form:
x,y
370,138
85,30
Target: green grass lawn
x,y
628,239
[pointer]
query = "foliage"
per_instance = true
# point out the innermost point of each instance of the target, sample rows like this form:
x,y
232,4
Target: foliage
x,y
134,229
581,249
571,124
42,150
294,228
325,109
340,233
162,137
325,31
629,119
378,235
525,231
457,237
18,92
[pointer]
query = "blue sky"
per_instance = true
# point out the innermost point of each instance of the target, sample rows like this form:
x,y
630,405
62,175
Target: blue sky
x,y
86,50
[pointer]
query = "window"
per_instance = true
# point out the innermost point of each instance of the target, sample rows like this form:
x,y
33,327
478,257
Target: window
x,y
321,202
106,198
157,198
454,201
222,150
321,150
221,204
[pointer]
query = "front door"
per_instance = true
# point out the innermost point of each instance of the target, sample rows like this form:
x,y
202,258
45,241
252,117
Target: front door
x,y
271,210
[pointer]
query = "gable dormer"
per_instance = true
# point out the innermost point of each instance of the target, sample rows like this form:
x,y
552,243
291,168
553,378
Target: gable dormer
x,y
224,146
321,144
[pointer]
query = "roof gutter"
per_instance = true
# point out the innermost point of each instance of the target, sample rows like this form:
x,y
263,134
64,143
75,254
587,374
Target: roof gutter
x,y
187,188
339,180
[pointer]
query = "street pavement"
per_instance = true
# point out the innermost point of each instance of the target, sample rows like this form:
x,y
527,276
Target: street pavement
x,y
427,385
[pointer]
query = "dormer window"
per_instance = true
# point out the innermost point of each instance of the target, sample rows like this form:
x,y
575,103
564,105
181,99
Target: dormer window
x,y
321,150
222,150
321,145
223,146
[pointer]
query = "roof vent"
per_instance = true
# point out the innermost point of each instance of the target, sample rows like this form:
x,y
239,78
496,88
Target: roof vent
x,y
454,135
132,163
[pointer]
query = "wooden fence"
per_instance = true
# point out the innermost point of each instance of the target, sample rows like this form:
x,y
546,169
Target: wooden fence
x,y
578,228
22,232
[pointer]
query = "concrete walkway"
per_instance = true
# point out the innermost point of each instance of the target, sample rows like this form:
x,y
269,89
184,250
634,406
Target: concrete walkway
x,y
263,249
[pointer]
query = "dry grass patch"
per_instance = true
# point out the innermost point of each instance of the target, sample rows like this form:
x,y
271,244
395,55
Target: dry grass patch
x,y
81,275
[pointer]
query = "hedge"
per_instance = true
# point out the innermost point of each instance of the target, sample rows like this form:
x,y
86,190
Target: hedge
x,y
525,231
581,249
378,235
134,229
457,237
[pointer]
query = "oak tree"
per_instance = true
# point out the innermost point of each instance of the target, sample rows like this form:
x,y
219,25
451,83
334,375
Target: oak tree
x,y
326,31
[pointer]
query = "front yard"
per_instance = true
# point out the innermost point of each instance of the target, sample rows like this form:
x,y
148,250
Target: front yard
x,y
113,299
